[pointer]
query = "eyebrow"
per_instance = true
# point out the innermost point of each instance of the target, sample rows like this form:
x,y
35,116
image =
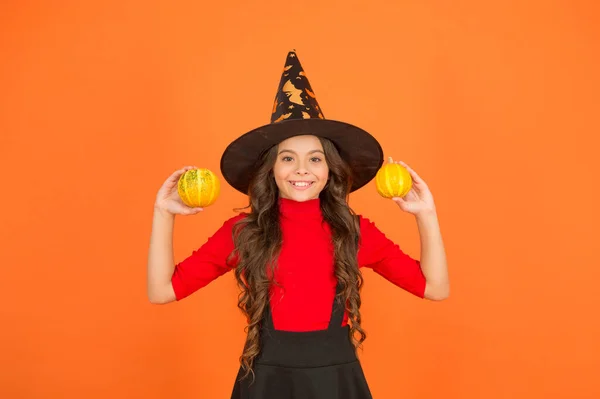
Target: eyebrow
x,y
294,152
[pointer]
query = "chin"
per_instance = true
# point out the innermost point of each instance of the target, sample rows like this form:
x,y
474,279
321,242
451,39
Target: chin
x,y
302,196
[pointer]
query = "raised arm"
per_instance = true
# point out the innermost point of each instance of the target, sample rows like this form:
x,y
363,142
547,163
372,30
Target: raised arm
x,y
419,202
161,265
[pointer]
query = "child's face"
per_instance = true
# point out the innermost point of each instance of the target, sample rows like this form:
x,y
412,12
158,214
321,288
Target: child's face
x,y
300,170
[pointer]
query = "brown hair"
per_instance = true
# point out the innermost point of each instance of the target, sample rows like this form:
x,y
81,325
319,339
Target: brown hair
x,y
258,239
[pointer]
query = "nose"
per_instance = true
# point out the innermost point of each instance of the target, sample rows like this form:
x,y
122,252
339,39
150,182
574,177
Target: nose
x,y
302,170
302,167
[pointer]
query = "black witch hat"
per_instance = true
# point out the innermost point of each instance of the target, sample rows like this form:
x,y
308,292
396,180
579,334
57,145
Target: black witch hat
x,y
296,112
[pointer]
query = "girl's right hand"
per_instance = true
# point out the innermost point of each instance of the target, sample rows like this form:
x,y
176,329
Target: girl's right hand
x,y
167,198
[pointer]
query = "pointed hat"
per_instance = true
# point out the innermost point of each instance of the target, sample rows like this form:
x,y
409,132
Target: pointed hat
x,y
296,112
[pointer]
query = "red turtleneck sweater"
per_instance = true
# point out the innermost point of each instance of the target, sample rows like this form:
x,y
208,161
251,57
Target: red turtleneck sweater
x,y
303,299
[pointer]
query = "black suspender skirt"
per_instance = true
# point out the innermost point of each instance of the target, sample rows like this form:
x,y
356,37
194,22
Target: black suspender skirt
x,y
305,365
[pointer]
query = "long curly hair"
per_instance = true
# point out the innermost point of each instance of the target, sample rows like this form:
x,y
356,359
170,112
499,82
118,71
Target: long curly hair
x,y
258,240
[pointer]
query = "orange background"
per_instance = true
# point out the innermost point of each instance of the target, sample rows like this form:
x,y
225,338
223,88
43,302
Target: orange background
x,y
495,105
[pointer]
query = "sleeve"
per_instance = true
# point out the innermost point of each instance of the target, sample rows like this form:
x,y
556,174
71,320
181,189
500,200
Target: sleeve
x,y
206,263
379,253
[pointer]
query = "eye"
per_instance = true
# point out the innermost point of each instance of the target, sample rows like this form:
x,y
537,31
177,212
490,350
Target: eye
x,y
287,159
315,159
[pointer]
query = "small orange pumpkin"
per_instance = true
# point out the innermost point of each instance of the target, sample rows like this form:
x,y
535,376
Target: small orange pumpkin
x,y
198,188
393,180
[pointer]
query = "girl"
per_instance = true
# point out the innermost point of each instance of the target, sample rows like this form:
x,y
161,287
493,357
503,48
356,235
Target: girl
x,y
297,253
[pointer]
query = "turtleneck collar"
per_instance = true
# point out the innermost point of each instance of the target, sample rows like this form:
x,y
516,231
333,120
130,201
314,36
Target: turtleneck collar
x,y
305,209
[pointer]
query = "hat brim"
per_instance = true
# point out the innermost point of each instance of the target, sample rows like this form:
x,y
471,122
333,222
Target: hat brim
x,y
357,147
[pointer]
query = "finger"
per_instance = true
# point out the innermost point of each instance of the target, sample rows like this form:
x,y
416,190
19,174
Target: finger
x,y
177,174
185,169
416,178
401,202
412,194
192,211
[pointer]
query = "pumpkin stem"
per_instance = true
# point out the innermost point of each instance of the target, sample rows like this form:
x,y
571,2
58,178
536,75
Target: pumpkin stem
x,y
390,160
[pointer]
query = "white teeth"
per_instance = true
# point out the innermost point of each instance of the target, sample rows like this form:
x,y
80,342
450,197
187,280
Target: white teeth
x,y
300,184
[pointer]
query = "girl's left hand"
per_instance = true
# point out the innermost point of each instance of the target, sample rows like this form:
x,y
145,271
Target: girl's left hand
x,y
419,199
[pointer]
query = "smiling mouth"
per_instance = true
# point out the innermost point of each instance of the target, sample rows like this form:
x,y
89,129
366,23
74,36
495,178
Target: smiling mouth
x,y
301,184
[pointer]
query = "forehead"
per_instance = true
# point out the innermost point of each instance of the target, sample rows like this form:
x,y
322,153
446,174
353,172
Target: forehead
x,y
301,143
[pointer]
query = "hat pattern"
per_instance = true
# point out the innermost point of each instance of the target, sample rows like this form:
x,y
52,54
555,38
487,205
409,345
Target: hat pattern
x,y
295,97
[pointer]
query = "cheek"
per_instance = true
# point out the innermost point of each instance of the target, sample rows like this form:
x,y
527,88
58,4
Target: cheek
x,y
322,172
280,172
